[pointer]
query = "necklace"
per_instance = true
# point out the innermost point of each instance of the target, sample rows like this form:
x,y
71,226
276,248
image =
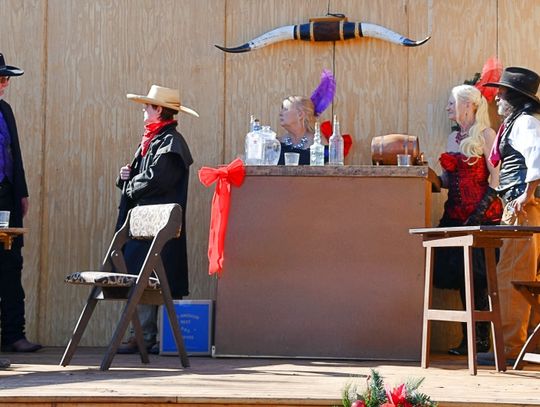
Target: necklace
x,y
461,136
301,145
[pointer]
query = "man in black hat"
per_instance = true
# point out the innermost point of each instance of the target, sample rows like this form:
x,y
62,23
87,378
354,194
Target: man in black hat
x,y
13,198
517,149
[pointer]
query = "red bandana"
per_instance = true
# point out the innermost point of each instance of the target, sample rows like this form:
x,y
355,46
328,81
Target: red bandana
x,y
150,131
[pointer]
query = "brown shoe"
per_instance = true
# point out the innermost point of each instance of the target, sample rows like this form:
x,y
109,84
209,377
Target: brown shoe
x,y
4,363
22,345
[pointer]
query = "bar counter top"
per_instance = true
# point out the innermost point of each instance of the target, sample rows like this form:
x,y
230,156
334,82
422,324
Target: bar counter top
x,y
414,171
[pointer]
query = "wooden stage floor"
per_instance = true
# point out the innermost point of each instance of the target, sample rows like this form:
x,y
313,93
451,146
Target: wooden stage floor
x,y
37,380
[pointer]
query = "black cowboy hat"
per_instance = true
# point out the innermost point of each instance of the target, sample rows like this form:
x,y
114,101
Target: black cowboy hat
x,y
520,79
7,70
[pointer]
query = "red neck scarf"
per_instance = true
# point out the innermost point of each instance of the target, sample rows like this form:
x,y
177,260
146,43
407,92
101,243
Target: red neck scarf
x,y
150,131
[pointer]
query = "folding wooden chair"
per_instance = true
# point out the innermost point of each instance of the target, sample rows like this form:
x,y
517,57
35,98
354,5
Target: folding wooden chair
x,y
531,292
158,223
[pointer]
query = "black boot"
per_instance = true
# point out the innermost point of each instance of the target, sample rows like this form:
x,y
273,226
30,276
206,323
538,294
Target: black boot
x,y
482,339
482,336
482,328
461,349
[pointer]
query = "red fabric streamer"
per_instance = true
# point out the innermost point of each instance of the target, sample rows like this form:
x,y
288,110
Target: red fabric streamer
x,y
326,130
491,72
495,153
232,174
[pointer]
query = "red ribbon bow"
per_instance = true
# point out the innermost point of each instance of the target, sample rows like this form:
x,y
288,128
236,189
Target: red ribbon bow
x,y
232,174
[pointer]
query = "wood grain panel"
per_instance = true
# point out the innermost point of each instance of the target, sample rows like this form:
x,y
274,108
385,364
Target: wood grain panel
x,y
248,382
460,44
23,23
372,77
518,33
258,81
102,50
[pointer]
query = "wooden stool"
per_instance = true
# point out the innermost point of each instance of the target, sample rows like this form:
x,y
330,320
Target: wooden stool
x,y
489,238
531,292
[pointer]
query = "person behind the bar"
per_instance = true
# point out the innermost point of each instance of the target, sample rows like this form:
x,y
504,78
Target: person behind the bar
x,y
298,115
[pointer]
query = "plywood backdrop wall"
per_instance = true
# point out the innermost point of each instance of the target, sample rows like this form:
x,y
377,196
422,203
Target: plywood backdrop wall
x,y
77,128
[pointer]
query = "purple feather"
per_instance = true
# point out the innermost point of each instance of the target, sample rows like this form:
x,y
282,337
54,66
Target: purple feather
x,y
324,94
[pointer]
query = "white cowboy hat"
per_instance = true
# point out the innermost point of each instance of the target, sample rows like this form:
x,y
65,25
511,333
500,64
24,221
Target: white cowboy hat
x,y
165,97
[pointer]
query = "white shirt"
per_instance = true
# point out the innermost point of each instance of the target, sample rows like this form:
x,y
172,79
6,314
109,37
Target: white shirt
x,y
525,138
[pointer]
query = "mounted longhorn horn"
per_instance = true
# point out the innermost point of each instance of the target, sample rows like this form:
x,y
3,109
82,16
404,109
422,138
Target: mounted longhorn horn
x,y
335,28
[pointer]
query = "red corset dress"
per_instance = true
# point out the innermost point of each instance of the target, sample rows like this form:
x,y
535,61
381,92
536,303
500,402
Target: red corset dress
x,y
467,184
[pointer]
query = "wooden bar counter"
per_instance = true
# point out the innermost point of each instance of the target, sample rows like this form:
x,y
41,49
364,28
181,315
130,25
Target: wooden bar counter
x,y
319,263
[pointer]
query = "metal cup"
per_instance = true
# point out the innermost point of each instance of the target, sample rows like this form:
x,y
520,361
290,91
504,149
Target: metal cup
x,y
403,160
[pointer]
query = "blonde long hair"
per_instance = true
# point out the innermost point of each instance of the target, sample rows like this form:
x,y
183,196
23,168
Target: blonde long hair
x,y
473,145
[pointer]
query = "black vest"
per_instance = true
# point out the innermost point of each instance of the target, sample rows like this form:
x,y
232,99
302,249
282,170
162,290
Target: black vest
x,y
513,170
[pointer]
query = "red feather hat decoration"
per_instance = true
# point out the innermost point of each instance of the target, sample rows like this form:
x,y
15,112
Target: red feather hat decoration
x,y
491,72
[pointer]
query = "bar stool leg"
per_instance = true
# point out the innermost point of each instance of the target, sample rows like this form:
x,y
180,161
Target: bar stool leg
x,y
470,319
426,326
495,309
534,338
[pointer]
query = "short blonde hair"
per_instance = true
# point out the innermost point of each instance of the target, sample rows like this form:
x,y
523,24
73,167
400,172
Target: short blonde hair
x,y
304,105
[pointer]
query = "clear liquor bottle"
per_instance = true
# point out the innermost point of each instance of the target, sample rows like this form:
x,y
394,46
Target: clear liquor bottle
x,y
335,148
253,148
316,150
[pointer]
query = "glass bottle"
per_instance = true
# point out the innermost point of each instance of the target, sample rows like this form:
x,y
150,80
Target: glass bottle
x,y
271,146
335,149
253,148
316,150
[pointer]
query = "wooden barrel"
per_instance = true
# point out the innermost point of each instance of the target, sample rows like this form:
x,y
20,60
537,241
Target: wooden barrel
x,y
384,149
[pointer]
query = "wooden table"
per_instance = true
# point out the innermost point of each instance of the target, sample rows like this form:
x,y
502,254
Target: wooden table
x,y
489,238
8,234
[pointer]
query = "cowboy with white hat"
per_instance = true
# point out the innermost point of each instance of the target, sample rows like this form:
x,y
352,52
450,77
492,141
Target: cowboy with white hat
x,y
160,96
158,174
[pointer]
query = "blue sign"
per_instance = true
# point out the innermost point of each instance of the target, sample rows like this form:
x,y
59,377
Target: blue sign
x,y
195,318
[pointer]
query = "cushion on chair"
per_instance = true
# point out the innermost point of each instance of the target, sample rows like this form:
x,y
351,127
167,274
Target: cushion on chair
x,y
106,279
146,221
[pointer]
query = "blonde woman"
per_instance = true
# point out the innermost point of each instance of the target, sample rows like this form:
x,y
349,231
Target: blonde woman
x,y
297,117
470,179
